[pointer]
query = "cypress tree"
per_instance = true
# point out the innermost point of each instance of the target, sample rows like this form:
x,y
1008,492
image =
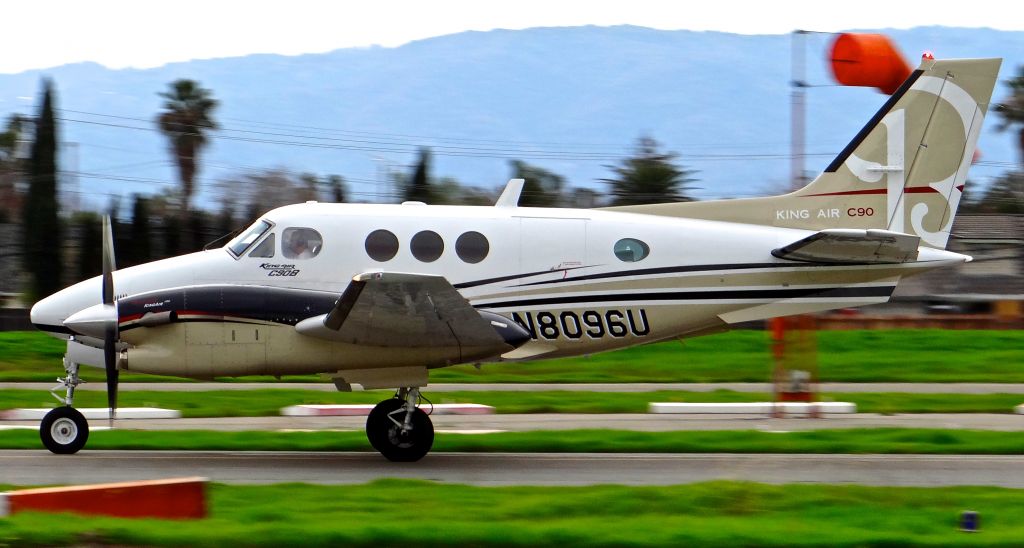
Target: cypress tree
x,y
418,189
41,226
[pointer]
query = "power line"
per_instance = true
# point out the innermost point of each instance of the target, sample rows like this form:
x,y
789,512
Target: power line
x,y
420,140
355,142
453,151
390,140
369,146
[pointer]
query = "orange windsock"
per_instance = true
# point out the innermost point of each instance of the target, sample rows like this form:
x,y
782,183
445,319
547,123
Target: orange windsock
x,y
870,60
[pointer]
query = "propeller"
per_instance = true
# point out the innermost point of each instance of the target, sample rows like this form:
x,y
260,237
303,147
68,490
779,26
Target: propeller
x,y
110,327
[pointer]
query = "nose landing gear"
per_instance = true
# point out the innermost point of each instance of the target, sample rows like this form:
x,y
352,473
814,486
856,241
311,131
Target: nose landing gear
x,y
400,430
64,430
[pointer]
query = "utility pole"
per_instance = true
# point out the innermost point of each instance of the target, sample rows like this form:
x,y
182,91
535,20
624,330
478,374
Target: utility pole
x,y
71,197
798,110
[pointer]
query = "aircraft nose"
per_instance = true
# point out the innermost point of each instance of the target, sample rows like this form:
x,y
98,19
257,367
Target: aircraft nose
x,y
47,314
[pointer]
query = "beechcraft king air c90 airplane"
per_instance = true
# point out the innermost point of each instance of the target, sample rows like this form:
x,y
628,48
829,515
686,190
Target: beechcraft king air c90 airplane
x,y
378,295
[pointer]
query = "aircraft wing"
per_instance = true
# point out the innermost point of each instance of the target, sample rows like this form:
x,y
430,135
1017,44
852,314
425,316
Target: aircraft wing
x,y
852,246
393,309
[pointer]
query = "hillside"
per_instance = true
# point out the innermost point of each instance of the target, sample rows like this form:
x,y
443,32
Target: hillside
x,y
572,100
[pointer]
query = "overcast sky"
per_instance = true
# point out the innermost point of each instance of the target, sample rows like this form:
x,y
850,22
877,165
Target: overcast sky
x,y
141,33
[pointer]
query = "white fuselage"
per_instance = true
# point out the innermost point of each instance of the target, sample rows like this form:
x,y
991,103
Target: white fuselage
x,y
554,271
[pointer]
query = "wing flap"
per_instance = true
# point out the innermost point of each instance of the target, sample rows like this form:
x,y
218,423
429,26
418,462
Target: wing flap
x,y
852,246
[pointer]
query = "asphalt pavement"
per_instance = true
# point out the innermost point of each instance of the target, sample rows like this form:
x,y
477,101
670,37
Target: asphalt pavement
x,y
32,467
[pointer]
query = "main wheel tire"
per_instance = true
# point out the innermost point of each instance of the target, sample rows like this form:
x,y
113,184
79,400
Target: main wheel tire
x,y
388,438
64,430
377,422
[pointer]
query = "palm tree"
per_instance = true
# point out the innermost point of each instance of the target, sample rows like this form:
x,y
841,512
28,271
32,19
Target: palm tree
x,y
1011,110
186,120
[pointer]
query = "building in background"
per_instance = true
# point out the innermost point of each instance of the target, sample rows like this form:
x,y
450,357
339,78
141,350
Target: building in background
x,y
987,292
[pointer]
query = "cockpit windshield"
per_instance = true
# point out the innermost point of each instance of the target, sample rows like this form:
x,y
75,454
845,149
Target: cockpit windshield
x,y
238,246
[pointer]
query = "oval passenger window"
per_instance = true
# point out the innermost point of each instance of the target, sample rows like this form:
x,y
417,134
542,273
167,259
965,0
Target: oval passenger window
x,y
381,245
427,246
631,250
472,247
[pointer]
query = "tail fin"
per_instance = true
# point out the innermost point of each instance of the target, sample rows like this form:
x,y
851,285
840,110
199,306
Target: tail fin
x,y
903,172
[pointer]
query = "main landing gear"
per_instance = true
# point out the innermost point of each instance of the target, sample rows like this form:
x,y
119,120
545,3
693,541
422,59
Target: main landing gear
x,y
400,430
64,430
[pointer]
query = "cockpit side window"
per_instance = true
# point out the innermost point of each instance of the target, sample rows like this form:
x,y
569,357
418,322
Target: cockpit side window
x,y
266,248
301,243
238,246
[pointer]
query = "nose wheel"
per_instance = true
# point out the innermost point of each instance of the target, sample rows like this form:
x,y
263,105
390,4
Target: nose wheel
x,y
400,430
64,430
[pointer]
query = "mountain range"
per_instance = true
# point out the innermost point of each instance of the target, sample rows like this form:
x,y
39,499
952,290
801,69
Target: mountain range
x,y
573,100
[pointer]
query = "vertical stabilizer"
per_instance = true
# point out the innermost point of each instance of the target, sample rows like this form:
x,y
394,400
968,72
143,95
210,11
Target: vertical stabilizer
x,y
904,171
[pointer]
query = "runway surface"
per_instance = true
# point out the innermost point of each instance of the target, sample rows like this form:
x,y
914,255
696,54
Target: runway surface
x,y
40,467
625,421
917,388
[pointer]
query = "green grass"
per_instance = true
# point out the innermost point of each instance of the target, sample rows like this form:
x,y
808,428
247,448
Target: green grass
x,y
853,441
925,355
420,513
268,402
33,356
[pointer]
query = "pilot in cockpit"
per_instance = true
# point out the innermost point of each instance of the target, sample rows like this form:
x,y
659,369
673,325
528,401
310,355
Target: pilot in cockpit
x,y
302,243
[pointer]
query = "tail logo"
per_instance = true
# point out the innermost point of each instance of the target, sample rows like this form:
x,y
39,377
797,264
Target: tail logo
x,y
896,172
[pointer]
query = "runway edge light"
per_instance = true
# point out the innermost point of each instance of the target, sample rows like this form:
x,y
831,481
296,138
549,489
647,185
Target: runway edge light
x,y
970,521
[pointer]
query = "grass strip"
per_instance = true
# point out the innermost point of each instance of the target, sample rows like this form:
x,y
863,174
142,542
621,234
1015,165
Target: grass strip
x,y
848,441
921,355
711,514
265,403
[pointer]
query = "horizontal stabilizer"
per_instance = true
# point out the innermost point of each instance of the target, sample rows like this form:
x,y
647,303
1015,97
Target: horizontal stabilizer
x,y
852,246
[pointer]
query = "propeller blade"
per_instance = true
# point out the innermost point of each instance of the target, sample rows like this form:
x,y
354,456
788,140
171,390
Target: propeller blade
x,y
110,363
108,261
110,334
